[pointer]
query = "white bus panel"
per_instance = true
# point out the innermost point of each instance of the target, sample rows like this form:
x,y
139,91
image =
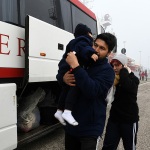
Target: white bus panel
x,y
8,117
47,44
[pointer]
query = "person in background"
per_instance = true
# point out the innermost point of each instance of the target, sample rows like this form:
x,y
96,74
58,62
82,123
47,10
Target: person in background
x,y
82,46
146,75
124,113
90,107
142,75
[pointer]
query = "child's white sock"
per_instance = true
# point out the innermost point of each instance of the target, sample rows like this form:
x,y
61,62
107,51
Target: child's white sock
x,y
58,115
69,118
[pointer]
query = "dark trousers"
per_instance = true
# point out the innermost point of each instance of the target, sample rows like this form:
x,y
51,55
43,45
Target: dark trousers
x,y
116,131
80,143
68,97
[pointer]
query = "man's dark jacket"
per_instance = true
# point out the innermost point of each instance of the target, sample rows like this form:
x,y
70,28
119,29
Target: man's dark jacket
x,y
90,107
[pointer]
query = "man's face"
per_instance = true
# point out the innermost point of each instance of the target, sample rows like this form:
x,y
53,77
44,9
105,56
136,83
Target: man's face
x,y
117,66
101,48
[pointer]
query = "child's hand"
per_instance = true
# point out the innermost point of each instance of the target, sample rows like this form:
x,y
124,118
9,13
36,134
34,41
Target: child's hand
x,y
94,57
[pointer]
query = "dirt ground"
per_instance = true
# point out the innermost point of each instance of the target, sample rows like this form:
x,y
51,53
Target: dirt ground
x,y
55,140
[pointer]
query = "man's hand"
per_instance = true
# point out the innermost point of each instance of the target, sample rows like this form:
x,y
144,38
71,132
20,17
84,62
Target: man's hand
x,y
72,60
69,79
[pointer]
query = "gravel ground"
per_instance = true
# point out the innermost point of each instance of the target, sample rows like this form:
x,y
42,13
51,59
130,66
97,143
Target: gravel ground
x,y
55,140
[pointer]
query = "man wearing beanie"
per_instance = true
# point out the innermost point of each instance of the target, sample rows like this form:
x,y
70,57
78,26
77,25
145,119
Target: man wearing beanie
x,y
93,83
82,46
123,118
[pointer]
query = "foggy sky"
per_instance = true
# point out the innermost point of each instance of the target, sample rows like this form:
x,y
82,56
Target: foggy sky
x,y
131,24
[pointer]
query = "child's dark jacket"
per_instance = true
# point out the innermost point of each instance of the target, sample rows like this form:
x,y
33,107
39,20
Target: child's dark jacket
x,y
82,45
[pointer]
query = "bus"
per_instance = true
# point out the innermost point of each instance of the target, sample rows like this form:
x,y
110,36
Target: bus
x,y
33,38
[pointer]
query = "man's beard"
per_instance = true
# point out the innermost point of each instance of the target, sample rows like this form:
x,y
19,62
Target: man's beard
x,y
102,57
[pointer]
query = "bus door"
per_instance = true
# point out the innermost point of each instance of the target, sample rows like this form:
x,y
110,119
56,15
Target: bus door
x,y
46,45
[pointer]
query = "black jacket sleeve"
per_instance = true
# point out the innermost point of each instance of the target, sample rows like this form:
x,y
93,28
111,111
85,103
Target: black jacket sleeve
x,y
129,82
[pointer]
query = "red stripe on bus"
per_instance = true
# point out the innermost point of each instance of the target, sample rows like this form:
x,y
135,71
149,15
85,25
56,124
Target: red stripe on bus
x,y
11,72
83,8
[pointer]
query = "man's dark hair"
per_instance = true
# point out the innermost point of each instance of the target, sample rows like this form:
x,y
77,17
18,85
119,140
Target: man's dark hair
x,y
109,39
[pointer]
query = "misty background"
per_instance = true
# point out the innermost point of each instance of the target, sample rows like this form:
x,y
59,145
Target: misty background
x,y
130,22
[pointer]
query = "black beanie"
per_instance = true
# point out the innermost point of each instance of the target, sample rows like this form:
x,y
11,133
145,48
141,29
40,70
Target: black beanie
x,y
81,29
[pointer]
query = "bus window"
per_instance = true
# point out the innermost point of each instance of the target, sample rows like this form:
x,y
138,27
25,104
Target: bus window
x,y
79,16
72,15
60,13
64,17
43,10
8,11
